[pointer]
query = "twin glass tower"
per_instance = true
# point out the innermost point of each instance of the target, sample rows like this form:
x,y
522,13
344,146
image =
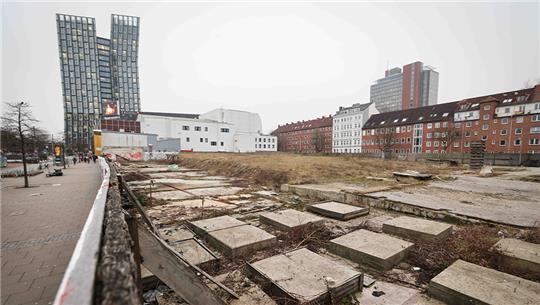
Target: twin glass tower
x,y
100,76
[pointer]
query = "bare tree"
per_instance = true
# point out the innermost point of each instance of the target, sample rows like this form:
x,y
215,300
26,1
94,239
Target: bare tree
x,y
18,117
318,140
384,137
449,135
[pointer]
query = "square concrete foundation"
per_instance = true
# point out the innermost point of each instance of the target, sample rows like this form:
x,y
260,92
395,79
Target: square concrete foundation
x,y
172,235
337,210
466,283
300,277
521,255
205,226
417,228
376,250
240,240
194,253
289,219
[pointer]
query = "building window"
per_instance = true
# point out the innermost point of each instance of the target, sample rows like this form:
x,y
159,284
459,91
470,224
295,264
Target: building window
x,y
429,125
205,140
213,143
487,107
519,131
436,144
468,124
504,121
437,125
502,143
484,138
205,128
534,141
185,127
187,139
517,142
457,125
535,118
428,144
428,135
445,124
224,129
456,144
485,127
201,140
503,132
466,144
197,128
535,130
485,117
519,119
467,133
221,143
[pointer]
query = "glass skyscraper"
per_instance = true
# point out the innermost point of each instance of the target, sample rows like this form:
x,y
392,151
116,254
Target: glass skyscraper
x,y
100,77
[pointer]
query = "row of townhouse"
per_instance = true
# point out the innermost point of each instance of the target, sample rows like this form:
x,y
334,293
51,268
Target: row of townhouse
x,y
507,122
341,133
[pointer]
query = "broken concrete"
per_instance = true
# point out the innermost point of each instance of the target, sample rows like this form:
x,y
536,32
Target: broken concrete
x,y
289,219
172,235
240,240
205,226
302,277
466,283
171,195
376,250
216,191
193,252
340,192
393,294
486,199
417,228
521,255
337,210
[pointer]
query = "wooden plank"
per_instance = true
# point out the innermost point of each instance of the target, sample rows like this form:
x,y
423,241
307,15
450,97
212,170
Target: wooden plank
x,y
139,207
77,285
164,263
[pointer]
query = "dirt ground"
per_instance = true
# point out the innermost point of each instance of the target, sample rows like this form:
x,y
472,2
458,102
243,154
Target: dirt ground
x,y
279,168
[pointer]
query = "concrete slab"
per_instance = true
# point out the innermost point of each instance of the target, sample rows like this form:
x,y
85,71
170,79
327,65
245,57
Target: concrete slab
x,y
240,240
521,255
216,191
193,252
204,226
172,235
289,219
393,294
197,203
376,250
301,277
417,228
181,183
171,195
489,199
466,283
337,210
341,192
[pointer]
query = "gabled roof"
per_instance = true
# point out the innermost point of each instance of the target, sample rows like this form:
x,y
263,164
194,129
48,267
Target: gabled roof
x,y
172,115
514,97
310,124
426,114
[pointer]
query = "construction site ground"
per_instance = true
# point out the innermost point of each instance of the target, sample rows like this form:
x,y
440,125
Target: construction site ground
x,y
481,210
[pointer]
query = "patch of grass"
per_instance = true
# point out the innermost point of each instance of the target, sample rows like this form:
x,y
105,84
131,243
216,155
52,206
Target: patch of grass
x,y
274,169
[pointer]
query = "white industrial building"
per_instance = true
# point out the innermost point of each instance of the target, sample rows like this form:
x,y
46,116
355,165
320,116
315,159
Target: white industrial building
x,y
347,127
219,130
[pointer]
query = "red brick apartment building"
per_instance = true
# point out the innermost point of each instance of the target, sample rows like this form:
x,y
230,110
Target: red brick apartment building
x,y
507,122
305,136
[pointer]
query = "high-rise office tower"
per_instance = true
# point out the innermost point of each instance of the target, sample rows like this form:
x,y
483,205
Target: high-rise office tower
x,y
414,86
99,76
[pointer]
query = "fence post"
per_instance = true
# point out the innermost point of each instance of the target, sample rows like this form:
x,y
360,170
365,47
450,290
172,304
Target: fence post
x,y
135,248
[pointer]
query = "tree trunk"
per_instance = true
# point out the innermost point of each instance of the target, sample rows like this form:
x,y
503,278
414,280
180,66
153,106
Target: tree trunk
x,y
22,150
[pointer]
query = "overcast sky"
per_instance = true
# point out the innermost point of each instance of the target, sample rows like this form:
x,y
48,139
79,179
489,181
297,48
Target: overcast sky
x,y
287,62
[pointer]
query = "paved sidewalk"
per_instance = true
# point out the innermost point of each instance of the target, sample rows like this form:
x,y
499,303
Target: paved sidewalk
x,y
40,227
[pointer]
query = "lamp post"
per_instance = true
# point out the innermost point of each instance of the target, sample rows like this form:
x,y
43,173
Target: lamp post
x,y
21,135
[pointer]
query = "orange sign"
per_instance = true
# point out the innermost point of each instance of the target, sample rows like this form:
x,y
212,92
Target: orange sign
x,y
58,150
